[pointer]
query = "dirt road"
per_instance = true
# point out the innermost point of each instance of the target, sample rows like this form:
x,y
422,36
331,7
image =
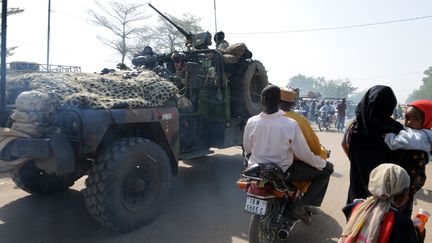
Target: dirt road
x,y
204,206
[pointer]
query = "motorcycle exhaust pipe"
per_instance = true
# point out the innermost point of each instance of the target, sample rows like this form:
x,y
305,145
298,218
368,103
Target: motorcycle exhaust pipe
x,y
283,234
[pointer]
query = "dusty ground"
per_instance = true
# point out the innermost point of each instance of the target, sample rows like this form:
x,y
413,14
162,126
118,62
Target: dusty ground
x,y
204,206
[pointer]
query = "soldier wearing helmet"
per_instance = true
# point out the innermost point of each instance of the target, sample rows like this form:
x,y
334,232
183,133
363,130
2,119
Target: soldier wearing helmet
x,y
147,51
179,60
220,41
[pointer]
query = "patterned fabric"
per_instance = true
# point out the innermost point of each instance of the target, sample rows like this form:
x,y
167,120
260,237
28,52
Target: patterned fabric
x,y
413,161
95,91
385,181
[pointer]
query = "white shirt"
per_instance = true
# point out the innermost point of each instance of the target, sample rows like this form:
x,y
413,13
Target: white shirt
x,y
326,108
277,138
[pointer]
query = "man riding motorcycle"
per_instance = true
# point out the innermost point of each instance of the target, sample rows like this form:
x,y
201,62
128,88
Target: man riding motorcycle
x,y
271,137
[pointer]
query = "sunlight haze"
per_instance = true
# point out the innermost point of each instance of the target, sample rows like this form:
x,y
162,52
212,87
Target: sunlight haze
x,y
394,54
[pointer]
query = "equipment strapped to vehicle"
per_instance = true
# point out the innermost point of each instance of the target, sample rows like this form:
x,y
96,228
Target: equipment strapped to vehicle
x,y
235,52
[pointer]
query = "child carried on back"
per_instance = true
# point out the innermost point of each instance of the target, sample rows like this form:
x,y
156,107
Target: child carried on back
x,y
413,145
417,134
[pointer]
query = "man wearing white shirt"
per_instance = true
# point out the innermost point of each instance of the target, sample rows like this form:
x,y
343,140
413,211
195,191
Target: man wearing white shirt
x,y
273,137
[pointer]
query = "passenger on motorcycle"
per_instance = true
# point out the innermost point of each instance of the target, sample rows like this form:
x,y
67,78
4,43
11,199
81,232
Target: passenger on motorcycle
x,y
327,108
273,137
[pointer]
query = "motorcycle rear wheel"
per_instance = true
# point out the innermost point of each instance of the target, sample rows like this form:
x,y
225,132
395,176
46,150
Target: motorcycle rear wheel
x,y
257,230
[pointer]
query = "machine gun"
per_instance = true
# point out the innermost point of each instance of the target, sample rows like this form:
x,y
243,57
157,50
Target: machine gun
x,y
198,41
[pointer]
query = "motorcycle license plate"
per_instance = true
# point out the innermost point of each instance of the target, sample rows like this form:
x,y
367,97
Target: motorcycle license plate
x,y
255,206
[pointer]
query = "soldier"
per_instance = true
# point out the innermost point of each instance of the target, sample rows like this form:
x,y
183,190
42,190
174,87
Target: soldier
x,y
183,103
179,60
146,58
147,51
220,41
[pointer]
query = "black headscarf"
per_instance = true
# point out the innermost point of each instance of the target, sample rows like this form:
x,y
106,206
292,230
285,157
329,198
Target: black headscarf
x,y
374,111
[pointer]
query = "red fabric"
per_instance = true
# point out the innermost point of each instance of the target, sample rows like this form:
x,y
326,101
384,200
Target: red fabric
x,y
386,225
426,107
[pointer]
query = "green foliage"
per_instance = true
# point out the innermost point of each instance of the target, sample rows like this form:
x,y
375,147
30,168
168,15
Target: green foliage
x,y
13,11
327,88
357,96
425,90
10,12
335,88
305,84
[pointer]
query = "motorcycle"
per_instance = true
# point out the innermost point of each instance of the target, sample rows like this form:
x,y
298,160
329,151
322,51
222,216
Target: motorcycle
x,y
324,120
271,200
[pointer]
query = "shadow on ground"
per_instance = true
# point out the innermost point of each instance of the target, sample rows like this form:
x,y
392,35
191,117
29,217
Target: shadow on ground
x,y
424,195
204,206
324,228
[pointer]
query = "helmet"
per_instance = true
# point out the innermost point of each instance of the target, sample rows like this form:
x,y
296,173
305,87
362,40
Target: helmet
x,y
177,56
147,51
219,36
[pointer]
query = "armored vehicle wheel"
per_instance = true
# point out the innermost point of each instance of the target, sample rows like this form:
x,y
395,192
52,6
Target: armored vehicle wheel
x,y
246,94
127,184
31,179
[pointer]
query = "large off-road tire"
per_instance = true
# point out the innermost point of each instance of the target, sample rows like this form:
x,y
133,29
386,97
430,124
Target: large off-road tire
x,y
246,92
127,184
31,179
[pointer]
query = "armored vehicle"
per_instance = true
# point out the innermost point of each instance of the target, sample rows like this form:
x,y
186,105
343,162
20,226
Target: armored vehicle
x,y
129,141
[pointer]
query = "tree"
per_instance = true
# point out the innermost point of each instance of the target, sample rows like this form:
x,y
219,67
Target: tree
x,y
327,88
305,84
425,90
119,18
357,96
164,37
335,88
10,12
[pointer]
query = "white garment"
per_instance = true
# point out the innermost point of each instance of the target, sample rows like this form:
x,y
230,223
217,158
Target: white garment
x,y
277,138
417,139
327,109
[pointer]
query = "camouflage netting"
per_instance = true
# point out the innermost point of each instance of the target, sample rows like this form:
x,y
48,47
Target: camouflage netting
x,y
37,95
95,91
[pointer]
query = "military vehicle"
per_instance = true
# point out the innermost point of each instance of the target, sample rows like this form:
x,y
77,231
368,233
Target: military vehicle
x,y
130,154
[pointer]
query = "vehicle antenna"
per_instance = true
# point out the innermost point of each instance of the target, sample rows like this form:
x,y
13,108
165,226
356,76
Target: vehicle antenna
x,y
215,19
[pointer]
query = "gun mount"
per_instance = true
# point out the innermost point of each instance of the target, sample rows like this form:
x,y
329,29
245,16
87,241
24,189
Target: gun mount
x,y
197,41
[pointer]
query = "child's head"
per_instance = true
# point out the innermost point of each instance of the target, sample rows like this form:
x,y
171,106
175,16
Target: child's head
x,y
390,181
419,114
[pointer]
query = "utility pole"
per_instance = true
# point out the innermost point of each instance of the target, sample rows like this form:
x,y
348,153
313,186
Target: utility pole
x,y
49,34
3,64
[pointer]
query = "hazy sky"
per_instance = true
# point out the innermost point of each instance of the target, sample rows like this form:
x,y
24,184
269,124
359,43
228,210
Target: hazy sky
x,y
391,54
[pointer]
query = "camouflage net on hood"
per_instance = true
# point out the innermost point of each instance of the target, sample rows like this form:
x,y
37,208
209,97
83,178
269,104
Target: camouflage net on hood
x,y
95,91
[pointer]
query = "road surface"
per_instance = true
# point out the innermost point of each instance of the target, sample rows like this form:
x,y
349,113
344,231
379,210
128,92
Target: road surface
x,y
204,206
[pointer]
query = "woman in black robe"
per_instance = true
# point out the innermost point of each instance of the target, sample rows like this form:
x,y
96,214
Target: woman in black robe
x,y
367,148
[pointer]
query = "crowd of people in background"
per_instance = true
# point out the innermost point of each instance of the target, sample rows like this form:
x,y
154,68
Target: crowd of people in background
x,y
387,158
340,110
337,110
